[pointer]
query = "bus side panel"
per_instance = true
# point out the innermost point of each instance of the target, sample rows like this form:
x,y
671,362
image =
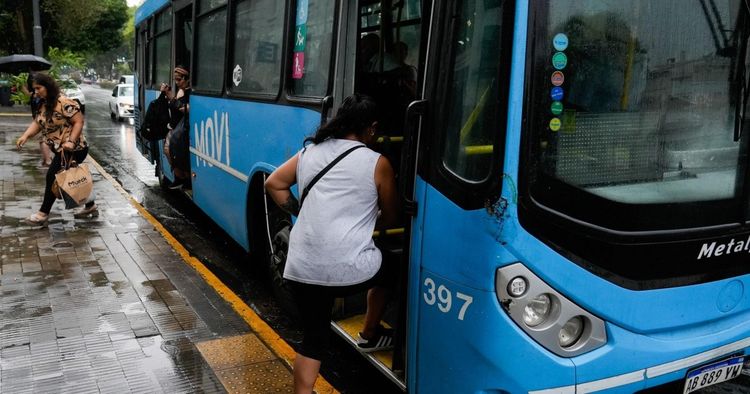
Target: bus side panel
x,y
228,138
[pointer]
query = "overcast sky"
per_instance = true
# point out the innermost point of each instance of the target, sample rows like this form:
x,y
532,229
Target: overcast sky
x,y
134,2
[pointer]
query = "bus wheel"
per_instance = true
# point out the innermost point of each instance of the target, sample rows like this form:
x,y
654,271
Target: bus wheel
x,y
280,225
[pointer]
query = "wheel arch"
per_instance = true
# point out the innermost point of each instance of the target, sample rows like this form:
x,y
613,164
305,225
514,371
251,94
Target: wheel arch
x,y
258,206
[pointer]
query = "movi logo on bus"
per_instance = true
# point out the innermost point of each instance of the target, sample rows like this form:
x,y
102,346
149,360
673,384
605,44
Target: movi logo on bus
x,y
212,140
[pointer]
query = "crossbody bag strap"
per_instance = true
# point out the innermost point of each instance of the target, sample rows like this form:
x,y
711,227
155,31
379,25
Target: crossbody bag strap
x,y
323,172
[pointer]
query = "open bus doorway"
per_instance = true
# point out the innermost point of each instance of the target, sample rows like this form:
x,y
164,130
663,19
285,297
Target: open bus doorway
x,y
387,66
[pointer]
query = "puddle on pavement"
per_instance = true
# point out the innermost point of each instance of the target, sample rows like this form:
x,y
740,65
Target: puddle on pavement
x,y
172,362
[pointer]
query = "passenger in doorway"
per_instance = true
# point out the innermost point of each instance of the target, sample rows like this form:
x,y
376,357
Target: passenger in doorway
x,y
177,142
34,105
331,250
60,121
407,72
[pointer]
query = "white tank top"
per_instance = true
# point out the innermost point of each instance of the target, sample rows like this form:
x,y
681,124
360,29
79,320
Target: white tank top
x,y
331,241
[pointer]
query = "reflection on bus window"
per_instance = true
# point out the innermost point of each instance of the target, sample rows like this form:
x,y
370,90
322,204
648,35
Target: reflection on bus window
x,y
207,5
313,39
211,42
473,108
258,37
162,58
630,112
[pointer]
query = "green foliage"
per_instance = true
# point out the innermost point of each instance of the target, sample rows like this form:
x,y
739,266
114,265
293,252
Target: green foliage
x,y
82,26
19,82
63,61
87,26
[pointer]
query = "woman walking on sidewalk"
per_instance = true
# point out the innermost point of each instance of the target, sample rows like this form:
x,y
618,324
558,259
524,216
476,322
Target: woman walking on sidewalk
x,y
60,121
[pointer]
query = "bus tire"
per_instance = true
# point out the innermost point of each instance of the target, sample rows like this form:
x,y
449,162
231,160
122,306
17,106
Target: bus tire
x,y
279,227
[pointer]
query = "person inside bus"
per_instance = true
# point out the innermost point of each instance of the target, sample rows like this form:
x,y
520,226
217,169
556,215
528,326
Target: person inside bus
x,y
60,121
331,250
177,143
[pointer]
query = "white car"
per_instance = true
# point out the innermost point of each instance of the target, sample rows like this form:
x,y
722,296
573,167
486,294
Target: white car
x,y
127,79
73,91
121,103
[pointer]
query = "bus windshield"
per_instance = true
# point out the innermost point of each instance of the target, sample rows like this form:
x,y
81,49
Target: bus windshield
x,y
633,104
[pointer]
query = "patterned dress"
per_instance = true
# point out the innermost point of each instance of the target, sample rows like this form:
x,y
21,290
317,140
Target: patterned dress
x,y
56,127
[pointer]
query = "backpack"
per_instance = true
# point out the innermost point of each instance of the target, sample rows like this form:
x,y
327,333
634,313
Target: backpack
x,y
157,118
179,146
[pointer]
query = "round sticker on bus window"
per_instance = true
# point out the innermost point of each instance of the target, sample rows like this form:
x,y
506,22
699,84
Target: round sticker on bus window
x,y
557,93
559,60
557,78
555,124
556,108
560,42
237,75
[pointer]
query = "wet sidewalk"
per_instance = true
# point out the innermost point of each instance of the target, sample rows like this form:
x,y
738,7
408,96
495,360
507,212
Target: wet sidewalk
x,y
110,304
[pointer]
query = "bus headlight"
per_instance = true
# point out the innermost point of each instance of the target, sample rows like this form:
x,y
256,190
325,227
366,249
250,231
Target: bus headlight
x,y
537,310
548,317
571,331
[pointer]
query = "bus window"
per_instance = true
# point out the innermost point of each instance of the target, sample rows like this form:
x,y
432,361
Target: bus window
x,y
258,38
183,36
313,39
473,110
211,41
163,48
387,59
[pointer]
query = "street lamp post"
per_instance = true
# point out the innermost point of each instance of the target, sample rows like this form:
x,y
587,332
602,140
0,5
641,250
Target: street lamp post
x,y
38,50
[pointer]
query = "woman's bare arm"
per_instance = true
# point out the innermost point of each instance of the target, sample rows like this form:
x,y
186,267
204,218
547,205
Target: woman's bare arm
x,y
385,180
31,131
279,184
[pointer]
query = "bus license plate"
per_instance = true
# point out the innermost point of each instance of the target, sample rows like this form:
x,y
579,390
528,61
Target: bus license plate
x,y
709,375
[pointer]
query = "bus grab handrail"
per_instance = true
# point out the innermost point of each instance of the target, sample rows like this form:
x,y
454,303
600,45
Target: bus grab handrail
x,y
415,111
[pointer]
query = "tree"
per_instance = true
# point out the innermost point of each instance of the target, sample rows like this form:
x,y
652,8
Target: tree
x,y
15,25
84,26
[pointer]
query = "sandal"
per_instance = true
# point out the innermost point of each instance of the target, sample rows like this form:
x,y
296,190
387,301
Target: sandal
x,y
91,211
37,219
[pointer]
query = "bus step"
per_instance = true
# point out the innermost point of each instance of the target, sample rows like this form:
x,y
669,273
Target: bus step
x,y
383,360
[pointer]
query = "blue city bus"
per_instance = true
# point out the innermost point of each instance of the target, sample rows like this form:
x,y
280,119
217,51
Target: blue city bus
x,y
573,174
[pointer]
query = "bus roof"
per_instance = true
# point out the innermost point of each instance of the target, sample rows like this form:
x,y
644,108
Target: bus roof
x,y
147,9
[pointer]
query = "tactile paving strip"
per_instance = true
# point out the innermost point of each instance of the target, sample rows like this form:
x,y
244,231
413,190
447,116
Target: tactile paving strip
x,y
265,377
245,365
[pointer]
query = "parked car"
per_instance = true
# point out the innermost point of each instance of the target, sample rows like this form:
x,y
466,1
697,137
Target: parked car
x,y
71,89
121,103
127,79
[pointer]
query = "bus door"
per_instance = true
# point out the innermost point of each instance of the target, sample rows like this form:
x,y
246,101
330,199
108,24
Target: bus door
x,y
182,49
381,54
456,140
142,78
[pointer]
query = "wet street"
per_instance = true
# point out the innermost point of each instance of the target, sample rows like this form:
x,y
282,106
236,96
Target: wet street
x,y
109,304
113,147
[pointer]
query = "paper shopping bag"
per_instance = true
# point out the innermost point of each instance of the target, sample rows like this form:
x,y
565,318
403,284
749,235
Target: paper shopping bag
x,y
75,184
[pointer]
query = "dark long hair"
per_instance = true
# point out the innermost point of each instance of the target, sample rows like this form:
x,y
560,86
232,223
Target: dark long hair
x,y
356,114
53,91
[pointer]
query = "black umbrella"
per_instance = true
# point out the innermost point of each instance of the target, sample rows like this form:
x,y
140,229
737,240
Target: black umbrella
x,y
15,64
